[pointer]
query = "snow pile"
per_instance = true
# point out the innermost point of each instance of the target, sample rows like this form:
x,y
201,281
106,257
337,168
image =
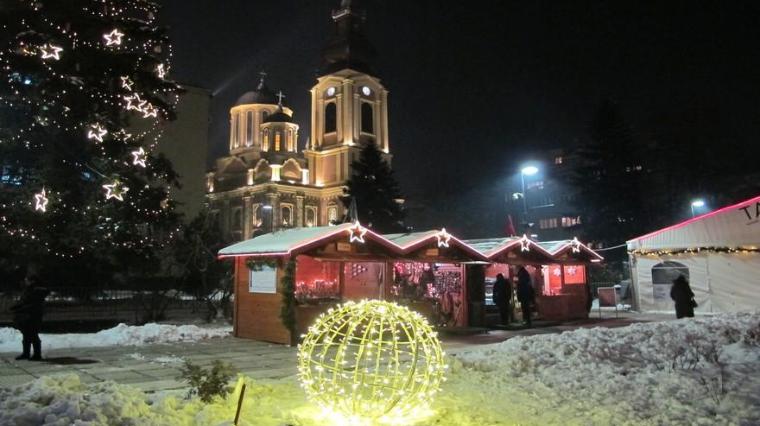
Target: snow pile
x,y
695,371
688,372
121,335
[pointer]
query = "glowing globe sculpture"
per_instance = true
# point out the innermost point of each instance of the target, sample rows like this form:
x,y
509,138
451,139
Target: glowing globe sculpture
x,y
371,359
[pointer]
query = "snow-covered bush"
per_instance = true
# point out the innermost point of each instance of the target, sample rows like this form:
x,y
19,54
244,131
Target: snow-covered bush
x,y
208,383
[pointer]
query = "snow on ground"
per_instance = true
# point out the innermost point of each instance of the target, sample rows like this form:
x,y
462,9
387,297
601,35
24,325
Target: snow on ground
x,y
688,372
121,335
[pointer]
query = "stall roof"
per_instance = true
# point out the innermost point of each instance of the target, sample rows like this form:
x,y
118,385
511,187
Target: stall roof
x,y
558,247
414,240
292,241
494,247
733,226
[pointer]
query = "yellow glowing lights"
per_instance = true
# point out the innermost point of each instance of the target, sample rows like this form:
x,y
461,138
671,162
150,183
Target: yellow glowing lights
x,y
356,233
371,360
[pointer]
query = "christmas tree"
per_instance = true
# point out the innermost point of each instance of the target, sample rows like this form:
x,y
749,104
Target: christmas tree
x,y
376,193
84,93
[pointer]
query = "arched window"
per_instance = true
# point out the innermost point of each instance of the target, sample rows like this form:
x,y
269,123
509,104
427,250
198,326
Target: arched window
x,y
663,275
249,128
233,132
265,140
277,139
290,140
331,117
332,213
237,219
368,125
258,217
287,215
311,216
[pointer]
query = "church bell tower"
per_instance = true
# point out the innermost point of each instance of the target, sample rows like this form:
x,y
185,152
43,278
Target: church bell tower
x,y
349,104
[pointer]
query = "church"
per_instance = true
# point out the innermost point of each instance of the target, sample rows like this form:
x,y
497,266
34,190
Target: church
x,y
267,182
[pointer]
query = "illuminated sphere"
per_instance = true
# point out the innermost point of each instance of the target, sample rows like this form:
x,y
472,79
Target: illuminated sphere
x,y
371,359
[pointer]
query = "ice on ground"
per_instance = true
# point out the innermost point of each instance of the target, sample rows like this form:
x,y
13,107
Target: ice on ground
x,y
121,335
687,372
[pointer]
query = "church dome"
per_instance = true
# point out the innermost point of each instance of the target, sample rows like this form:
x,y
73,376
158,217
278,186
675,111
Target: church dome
x,y
262,95
278,116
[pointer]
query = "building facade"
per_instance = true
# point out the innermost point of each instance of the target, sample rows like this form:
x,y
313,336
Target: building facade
x,y
268,181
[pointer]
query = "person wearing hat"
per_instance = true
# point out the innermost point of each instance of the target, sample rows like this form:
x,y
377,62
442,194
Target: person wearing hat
x,y
681,293
27,316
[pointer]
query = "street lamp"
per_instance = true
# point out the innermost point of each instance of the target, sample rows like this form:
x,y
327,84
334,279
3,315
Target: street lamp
x,y
698,203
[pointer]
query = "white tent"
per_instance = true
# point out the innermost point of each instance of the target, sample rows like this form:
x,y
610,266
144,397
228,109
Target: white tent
x,y
718,252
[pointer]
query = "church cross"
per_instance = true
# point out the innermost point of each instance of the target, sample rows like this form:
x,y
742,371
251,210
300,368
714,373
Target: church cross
x,y
279,97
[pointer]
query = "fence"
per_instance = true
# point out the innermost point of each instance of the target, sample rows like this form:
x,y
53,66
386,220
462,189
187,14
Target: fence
x,y
79,304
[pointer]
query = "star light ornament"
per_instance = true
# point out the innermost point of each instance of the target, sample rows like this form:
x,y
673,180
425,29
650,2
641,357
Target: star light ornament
x,y
127,83
161,71
115,190
41,201
356,233
576,245
134,102
113,38
139,157
50,51
524,243
443,238
96,132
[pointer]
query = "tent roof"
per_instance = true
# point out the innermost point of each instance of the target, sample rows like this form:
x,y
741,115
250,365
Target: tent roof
x,y
414,240
281,243
733,226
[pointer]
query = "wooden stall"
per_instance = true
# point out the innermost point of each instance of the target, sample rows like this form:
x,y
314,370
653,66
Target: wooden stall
x,y
339,263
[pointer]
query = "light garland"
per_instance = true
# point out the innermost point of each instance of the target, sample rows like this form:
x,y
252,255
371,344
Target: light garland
x,y
371,360
697,250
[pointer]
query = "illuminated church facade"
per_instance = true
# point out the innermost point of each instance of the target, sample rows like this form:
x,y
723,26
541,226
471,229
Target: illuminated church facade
x,y
269,181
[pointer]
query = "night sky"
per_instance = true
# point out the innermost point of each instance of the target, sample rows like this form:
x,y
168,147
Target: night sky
x,y
476,86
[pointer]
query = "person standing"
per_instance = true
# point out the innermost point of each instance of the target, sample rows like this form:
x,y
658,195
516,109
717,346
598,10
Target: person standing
x,y
502,297
525,294
27,317
682,295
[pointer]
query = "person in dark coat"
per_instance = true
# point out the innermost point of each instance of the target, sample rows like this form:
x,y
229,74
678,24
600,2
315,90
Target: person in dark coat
x,y
525,294
27,317
681,293
502,298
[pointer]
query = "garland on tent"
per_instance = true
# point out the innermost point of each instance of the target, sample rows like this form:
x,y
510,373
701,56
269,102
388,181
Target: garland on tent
x,y
730,250
258,265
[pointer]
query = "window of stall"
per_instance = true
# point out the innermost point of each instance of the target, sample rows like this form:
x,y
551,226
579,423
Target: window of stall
x,y
438,284
363,280
574,275
317,281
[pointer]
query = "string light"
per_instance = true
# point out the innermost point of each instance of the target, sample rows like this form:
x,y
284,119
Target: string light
x,y
115,190
139,157
50,51
113,38
41,201
371,360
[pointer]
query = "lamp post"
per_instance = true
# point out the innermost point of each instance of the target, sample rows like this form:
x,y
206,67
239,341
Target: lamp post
x,y
526,171
698,203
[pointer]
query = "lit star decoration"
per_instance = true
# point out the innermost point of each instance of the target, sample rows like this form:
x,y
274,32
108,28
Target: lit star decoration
x,y
50,51
371,362
139,157
41,201
96,132
576,245
524,243
443,238
113,38
115,190
356,233
134,102
127,83
149,111
161,71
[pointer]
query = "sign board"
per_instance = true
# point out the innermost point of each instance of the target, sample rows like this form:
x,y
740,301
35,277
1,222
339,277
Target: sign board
x,y
432,252
345,247
263,281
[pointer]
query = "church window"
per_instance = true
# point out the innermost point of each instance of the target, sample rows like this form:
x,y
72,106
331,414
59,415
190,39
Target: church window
x,y
249,129
366,91
331,91
311,216
258,217
233,129
290,140
237,219
277,137
331,117
265,143
367,118
237,129
287,215
332,214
